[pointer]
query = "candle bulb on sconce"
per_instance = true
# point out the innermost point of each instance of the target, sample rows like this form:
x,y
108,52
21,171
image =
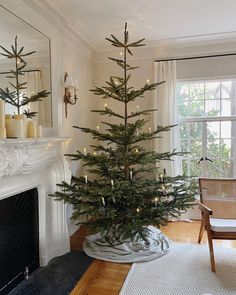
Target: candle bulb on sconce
x,y
70,86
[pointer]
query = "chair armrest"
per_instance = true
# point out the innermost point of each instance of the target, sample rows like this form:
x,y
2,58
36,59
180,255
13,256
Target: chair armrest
x,y
205,209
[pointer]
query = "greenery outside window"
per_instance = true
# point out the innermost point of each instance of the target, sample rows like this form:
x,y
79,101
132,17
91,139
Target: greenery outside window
x,y
207,111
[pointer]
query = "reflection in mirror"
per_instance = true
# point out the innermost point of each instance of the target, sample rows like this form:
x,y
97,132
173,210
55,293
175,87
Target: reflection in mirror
x,y
36,73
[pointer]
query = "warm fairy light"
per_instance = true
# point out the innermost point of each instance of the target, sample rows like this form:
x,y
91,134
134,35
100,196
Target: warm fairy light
x,y
86,178
116,82
121,53
136,150
138,210
150,129
156,200
105,105
131,174
161,178
94,153
137,107
85,151
18,61
163,188
148,81
98,127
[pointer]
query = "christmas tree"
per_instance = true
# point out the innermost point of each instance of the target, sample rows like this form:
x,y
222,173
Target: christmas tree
x,y
125,190
17,97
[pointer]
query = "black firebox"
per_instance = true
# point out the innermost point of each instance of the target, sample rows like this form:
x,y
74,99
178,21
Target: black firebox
x,y
19,238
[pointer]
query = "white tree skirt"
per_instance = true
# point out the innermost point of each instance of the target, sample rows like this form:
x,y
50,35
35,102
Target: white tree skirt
x,y
128,252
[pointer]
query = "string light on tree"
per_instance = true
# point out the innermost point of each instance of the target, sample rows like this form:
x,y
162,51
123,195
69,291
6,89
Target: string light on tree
x,y
85,151
86,178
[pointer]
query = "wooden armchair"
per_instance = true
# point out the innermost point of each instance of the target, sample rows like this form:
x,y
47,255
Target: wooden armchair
x,y
218,207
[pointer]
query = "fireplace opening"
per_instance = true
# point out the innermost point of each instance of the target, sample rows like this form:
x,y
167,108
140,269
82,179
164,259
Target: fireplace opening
x,y
19,238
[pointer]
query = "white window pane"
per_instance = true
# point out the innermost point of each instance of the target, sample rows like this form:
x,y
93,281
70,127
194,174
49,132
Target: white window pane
x,y
213,148
226,129
228,107
213,130
228,89
182,91
225,149
212,90
196,108
196,91
212,108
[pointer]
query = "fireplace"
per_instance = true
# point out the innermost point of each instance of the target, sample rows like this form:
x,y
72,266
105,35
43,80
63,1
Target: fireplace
x,y
34,166
19,243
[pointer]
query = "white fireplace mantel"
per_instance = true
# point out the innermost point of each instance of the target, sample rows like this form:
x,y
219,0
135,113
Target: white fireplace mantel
x,y
38,163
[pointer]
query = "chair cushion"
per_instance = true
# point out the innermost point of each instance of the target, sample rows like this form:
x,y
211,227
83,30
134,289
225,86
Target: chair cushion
x,y
223,225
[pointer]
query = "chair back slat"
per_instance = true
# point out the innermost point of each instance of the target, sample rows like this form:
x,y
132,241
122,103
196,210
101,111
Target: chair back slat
x,y
219,195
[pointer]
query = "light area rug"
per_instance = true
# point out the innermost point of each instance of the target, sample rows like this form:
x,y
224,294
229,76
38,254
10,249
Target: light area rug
x,y
185,270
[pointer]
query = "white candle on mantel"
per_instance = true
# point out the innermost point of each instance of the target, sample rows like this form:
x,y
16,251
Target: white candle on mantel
x,y
39,131
2,115
2,121
2,108
24,119
15,128
31,129
86,178
3,133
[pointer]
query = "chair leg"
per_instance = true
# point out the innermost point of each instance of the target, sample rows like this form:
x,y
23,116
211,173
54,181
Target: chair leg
x,y
202,228
211,250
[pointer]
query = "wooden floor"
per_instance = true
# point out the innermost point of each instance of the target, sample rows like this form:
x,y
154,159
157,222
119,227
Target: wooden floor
x,y
105,278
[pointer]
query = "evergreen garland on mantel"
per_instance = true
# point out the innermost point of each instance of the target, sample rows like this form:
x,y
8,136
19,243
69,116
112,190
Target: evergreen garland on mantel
x,y
116,199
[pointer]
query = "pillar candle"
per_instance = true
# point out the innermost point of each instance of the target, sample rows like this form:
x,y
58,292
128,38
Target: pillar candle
x,y
39,131
15,128
2,121
2,108
31,129
3,133
24,119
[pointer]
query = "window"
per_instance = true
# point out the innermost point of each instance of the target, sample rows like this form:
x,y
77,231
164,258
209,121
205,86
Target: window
x,y
207,111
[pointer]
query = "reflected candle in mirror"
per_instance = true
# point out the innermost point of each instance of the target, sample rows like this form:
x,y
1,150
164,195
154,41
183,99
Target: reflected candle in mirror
x,y
15,128
3,133
31,129
24,119
39,131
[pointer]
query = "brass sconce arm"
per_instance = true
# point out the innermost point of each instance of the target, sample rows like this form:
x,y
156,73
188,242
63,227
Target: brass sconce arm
x,y
68,97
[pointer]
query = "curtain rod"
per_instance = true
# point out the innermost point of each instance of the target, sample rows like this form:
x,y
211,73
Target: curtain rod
x,y
196,57
26,71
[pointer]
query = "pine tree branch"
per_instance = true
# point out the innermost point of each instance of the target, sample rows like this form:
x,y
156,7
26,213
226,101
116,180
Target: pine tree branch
x,y
108,112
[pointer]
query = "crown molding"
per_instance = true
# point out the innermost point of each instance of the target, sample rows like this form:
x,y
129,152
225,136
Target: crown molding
x,y
59,15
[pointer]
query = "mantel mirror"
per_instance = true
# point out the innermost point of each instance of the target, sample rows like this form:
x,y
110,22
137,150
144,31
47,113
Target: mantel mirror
x,y
37,73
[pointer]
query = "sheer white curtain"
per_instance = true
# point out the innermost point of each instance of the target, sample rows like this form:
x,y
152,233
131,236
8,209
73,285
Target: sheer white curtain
x,y
167,114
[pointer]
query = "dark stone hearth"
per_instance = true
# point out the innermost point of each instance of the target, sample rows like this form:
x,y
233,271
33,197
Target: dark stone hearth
x,y
57,278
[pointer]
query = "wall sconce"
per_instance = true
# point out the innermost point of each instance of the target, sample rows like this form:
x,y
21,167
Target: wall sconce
x,y
70,86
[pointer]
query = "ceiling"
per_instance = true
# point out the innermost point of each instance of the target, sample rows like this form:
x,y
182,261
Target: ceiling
x,y
156,20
